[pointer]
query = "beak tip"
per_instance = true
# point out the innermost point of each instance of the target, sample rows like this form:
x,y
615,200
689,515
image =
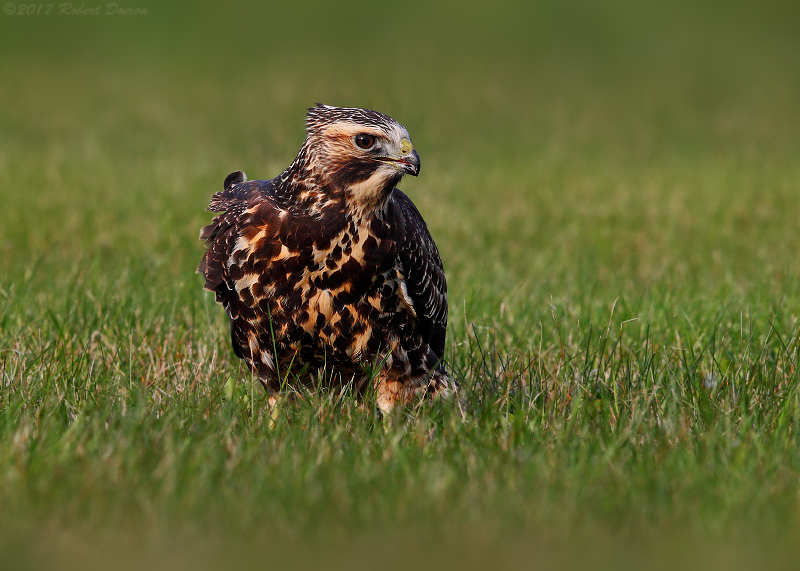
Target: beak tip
x,y
413,164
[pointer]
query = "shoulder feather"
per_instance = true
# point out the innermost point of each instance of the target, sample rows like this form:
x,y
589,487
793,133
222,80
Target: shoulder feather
x,y
221,235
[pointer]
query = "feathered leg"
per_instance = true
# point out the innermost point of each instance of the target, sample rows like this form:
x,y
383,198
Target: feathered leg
x,y
404,390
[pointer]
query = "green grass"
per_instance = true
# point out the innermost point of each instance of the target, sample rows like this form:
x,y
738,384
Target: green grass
x,y
614,192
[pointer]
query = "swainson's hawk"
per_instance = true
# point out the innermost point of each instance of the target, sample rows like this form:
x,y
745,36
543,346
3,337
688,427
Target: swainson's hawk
x,y
329,266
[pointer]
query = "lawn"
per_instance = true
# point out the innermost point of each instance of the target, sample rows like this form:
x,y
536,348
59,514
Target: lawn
x,y
613,189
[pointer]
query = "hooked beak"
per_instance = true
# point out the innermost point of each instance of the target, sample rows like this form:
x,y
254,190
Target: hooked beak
x,y
409,164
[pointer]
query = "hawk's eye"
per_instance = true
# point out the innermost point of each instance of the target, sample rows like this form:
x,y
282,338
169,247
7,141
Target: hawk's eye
x,y
365,141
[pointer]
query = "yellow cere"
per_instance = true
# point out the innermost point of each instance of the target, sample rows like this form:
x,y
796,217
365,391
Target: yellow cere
x,y
405,146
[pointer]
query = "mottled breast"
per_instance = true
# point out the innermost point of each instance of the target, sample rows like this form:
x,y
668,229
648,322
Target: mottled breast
x,y
317,279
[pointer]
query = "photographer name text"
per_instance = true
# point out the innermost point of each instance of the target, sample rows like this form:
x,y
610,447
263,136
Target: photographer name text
x,y
69,9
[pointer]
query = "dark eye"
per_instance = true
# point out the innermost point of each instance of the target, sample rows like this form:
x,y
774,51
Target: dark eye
x,y
365,141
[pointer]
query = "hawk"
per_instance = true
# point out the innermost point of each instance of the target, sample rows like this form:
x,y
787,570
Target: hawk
x,y
330,267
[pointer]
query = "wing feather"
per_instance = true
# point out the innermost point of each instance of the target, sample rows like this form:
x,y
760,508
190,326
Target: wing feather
x,y
221,237
424,274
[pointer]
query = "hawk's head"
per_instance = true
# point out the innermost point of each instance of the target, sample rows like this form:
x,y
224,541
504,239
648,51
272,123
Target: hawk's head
x,y
362,152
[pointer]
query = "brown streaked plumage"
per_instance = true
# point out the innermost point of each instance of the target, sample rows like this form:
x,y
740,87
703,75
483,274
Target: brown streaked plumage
x,y
330,265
